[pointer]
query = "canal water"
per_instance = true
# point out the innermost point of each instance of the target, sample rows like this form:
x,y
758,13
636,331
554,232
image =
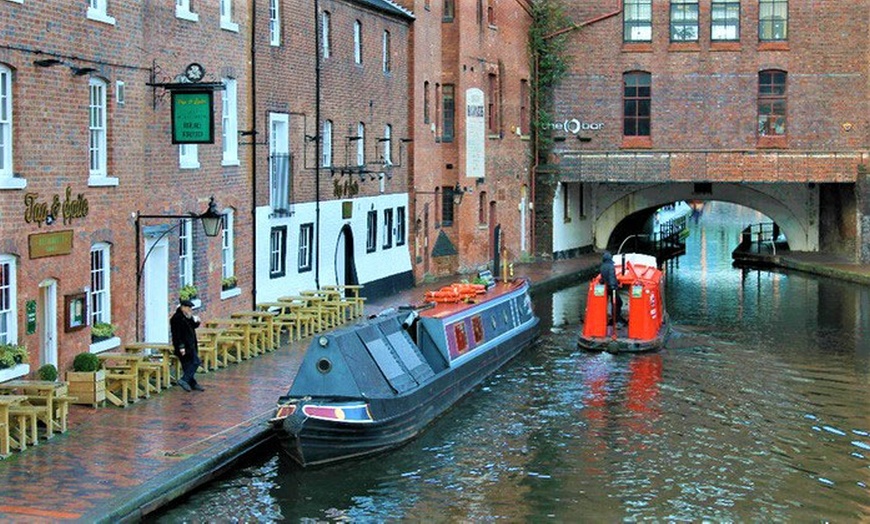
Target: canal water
x,y
758,410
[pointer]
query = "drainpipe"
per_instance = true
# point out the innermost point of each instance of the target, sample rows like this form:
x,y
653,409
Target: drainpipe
x,y
317,143
535,166
254,155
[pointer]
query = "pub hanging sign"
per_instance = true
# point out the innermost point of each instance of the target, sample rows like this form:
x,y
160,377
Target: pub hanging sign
x,y
193,117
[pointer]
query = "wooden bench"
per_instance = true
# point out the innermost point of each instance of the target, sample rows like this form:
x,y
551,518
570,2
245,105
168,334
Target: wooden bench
x,y
120,387
26,424
61,410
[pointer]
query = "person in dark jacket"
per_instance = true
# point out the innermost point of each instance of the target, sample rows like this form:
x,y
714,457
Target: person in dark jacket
x,y
183,325
608,276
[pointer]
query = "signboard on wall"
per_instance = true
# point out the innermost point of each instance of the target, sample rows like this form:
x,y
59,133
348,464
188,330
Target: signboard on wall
x,y
475,134
50,244
193,117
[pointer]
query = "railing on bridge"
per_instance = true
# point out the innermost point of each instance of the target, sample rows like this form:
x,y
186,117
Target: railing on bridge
x,y
666,243
759,238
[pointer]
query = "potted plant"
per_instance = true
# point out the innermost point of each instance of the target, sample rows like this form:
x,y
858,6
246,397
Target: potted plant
x,y
102,331
188,292
228,283
87,382
47,372
11,355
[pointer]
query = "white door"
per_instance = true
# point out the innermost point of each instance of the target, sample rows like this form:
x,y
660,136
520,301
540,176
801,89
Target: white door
x,y
340,261
48,297
155,275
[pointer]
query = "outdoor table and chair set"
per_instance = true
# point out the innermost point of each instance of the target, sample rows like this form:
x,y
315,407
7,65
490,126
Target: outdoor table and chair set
x,y
141,369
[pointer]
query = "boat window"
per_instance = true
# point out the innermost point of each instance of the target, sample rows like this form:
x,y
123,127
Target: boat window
x,y
461,337
504,313
477,329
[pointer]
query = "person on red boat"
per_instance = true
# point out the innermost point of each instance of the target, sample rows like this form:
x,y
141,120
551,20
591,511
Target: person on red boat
x,y
608,277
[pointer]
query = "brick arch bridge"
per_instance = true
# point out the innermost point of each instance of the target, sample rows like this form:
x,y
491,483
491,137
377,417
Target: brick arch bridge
x,y
794,207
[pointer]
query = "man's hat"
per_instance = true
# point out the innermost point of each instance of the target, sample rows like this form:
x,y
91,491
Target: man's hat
x,y
186,302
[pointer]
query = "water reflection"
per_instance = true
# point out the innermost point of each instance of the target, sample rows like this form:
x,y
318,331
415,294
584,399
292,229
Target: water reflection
x,y
756,411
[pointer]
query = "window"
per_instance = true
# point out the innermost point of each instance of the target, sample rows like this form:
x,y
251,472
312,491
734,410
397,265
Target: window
x,y
447,103
5,122
387,64
8,300
400,226
388,228
182,10
280,180
230,123
566,203
228,255
492,104
490,12
97,127
684,20
278,252
361,144
637,21
185,253
477,329
636,102
357,42
99,10
371,231
524,108
274,23
101,309
387,156
120,93
326,146
482,205
461,337
188,156
447,206
447,15
325,34
772,20
306,240
725,21
771,103
227,16
426,116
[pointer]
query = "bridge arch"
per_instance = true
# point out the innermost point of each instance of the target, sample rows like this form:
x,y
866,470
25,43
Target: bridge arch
x,y
794,207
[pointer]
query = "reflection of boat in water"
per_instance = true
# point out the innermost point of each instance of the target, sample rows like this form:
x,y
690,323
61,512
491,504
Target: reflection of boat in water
x,y
372,386
648,324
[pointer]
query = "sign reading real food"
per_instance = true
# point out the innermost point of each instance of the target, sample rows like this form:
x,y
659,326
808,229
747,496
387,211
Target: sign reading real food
x,y
193,117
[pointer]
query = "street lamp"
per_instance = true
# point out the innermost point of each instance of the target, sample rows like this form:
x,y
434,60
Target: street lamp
x,y
212,222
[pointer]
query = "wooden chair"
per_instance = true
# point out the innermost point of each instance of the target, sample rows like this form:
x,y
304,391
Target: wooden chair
x,y
61,410
25,424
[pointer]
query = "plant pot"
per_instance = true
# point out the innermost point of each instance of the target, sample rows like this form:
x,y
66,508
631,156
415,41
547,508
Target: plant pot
x,y
89,387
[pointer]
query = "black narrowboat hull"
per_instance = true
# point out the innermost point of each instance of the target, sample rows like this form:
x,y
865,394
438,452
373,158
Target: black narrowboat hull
x,y
313,441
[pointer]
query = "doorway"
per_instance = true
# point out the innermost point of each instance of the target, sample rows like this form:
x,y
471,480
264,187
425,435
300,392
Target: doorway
x,y
48,331
156,285
345,266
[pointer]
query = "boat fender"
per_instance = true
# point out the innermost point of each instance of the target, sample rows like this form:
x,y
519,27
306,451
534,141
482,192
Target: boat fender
x,y
409,320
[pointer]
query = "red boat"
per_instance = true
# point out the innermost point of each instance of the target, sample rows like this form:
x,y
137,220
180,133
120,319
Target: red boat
x,y
648,324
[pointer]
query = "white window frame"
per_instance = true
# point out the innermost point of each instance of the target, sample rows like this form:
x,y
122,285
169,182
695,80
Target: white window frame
x,y
278,252
185,253
98,10
7,173
371,231
357,42
120,93
182,11
387,59
388,145
325,34
326,144
228,252
230,123
275,23
100,299
279,144
98,134
10,308
188,156
361,144
388,228
306,239
400,226
226,11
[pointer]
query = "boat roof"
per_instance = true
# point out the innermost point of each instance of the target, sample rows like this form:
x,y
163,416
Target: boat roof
x,y
446,309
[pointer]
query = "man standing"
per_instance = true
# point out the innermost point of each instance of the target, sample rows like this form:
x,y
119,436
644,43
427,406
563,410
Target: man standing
x,y
183,325
608,276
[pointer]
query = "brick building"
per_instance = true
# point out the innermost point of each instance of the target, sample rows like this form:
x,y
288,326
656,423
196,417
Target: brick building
x,y
470,121
722,98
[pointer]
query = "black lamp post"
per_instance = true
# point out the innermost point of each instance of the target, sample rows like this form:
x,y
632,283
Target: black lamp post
x,y
212,222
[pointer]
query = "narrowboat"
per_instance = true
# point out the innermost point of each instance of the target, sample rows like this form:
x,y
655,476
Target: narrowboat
x,y
647,325
369,387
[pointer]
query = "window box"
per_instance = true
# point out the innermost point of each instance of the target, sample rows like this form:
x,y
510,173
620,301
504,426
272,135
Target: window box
x,y
16,371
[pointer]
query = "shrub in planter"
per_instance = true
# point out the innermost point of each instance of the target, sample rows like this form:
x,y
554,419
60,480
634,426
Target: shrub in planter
x,y
187,292
12,354
47,372
87,382
86,362
102,331
228,283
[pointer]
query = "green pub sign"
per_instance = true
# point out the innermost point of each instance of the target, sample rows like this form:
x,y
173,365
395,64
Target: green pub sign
x,y
192,117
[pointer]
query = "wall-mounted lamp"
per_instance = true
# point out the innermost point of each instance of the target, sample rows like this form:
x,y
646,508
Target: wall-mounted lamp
x,y
82,71
458,193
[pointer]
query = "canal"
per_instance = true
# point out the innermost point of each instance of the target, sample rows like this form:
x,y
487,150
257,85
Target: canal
x,y
758,410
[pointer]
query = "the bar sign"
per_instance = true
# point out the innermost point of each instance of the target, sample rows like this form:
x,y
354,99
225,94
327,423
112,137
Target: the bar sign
x,y
50,244
192,117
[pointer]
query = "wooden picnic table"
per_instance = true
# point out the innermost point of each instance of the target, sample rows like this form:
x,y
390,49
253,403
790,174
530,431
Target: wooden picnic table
x,y
351,292
263,317
293,315
214,344
248,327
7,401
309,304
166,351
43,394
120,373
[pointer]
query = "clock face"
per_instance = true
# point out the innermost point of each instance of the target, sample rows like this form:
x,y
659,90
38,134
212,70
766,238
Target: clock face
x,y
194,72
